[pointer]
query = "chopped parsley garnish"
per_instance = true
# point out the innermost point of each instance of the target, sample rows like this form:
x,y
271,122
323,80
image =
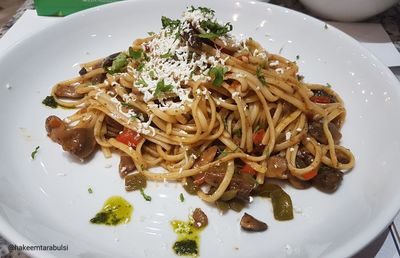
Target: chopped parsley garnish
x,y
260,76
135,54
167,55
50,102
297,57
141,81
280,50
140,67
218,75
90,190
214,29
326,26
169,23
328,85
162,88
181,197
145,196
33,154
151,33
204,10
118,64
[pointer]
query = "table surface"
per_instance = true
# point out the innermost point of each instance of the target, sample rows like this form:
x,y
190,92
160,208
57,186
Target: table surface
x,y
385,245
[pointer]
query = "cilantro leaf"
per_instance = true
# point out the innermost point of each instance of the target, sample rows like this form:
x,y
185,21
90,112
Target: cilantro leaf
x,y
169,23
218,74
260,76
214,29
162,88
50,102
118,64
140,67
204,10
135,54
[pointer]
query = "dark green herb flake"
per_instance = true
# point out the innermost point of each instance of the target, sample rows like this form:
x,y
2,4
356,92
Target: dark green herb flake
x,y
181,197
260,76
135,54
119,63
140,67
169,23
33,154
50,102
145,196
162,88
185,247
218,74
214,29
90,190
167,55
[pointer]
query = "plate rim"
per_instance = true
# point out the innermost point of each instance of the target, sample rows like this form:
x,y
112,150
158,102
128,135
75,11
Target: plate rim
x,y
350,248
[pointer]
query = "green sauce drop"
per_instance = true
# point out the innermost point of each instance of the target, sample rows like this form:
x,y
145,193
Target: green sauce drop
x,y
188,240
116,210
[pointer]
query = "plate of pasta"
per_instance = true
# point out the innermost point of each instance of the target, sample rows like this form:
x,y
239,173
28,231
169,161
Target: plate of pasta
x,y
196,128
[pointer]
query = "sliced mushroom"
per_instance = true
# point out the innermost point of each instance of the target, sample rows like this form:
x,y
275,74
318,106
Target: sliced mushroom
x,y
191,37
113,127
207,156
67,91
277,167
108,61
200,218
82,71
98,78
328,179
126,166
249,223
78,141
316,130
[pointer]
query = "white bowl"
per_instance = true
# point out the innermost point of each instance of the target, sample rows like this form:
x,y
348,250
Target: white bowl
x,y
347,10
45,201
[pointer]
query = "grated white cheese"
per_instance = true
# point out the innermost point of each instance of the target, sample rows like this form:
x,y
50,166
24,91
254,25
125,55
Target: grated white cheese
x,y
274,63
279,70
235,94
288,135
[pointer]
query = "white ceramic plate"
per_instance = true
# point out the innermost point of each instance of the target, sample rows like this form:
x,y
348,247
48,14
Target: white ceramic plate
x,y
39,205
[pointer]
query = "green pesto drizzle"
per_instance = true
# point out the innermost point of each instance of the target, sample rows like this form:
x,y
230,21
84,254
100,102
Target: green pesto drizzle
x,y
187,243
116,210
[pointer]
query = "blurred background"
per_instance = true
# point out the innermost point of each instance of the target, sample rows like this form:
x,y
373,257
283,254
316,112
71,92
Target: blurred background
x,y
7,9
